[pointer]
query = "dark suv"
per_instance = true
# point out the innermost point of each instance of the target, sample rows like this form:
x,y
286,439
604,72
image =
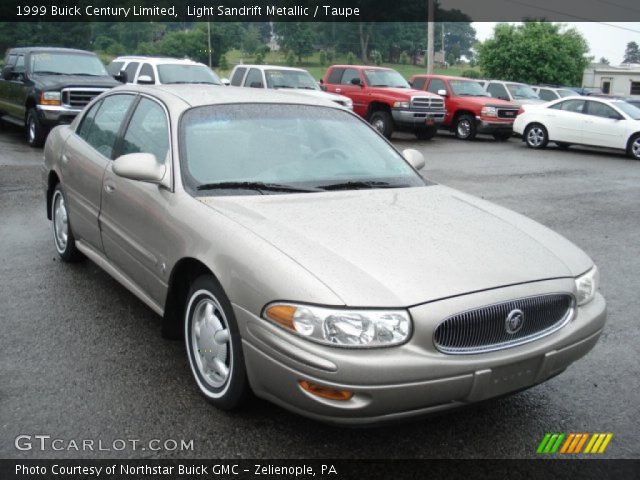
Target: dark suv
x,y
42,87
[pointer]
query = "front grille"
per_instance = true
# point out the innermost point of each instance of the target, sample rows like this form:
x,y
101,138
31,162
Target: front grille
x,y
427,103
485,329
80,97
507,113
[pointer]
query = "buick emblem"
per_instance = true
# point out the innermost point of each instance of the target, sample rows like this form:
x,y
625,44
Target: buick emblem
x,y
514,321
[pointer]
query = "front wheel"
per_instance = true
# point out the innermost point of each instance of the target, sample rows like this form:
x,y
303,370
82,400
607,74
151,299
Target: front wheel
x,y
536,136
213,345
465,127
633,149
382,121
63,238
36,133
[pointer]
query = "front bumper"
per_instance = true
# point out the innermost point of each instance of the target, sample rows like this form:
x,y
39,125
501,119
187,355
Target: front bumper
x,y
493,126
413,379
412,119
52,115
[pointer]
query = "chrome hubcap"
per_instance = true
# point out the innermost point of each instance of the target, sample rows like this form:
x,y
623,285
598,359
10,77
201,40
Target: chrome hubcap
x,y
32,129
535,137
378,124
211,342
464,128
60,222
635,148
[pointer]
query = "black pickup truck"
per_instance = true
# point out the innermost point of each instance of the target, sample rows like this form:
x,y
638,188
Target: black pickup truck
x,y
42,87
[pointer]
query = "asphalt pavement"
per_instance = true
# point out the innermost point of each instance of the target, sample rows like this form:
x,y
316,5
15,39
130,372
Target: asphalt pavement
x,y
82,359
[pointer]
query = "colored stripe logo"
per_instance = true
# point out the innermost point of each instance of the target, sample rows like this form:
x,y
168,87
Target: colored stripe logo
x,y
573,443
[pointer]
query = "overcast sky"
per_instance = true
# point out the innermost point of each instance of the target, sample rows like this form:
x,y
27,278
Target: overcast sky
x,y
606,39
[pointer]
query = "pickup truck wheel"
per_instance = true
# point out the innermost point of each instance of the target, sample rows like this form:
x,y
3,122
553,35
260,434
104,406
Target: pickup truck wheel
x,y
426,133
502,137
214,345
381,120
536,136
465,128
63,238
633,150
36,133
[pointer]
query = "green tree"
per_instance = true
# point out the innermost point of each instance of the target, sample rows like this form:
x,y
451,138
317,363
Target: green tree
x,y
632,53
534,52
603,61
296,37
251,40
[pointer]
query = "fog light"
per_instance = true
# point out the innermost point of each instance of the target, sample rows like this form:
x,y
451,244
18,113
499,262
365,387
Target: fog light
x,y
326,392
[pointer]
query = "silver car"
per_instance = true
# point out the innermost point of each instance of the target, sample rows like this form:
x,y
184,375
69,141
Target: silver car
x,y
304,259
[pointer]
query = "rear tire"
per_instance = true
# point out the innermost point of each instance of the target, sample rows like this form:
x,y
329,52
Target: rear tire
x,y
426,133
382,121
633,149
63,238
214,346
465,127
36,133
536,136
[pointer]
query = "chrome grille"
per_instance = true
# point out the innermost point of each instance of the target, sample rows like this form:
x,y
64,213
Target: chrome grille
x,y
484,329
80,97
427,103
507,112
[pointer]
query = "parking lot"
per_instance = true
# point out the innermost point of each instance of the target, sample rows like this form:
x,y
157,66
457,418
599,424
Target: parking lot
x,y
82,358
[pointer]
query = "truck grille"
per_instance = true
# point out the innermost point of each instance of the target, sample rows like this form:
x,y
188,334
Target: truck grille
x,y
80,97
507,112
427,103
486,329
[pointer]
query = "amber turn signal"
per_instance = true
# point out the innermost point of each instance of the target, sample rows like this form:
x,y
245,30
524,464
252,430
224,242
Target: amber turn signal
x,y
326,392
282,314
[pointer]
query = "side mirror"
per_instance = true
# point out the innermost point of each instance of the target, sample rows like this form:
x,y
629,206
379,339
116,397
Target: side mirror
x,y
414,157
143,167
7,73
255,84
121,77
356,81
145,80
442,92
321,81
225,82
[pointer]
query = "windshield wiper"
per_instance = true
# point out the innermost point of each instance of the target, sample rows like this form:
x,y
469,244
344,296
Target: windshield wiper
x,y
356,185
81,74
46,72
257,186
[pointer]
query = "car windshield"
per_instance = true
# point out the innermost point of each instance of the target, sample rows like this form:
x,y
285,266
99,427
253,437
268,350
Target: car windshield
x,y
467,88
385,78
254,149
522,91
54,63
181,73
629,109
290,79
564,92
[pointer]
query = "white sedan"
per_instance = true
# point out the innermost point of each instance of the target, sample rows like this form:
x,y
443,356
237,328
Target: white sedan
x,y
578,120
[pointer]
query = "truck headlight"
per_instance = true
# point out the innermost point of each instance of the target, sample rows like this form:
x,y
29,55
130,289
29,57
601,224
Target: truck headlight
x,y
50,98
342,327
401,105
587,286
489,112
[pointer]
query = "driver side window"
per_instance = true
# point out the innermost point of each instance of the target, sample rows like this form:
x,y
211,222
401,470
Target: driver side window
x,y
102,132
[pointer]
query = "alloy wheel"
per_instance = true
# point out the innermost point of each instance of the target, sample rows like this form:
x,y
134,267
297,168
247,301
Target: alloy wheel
x,y
60,222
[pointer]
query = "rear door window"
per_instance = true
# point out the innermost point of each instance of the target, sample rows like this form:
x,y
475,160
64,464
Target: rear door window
x,y
148,131
131,70
147,69
335,76
236,79
254,79
103,131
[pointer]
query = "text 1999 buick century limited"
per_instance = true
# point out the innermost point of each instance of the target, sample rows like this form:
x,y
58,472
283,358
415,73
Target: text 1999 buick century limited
x,y
304,259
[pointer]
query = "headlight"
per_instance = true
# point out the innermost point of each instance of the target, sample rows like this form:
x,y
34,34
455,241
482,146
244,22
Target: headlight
x,y
347,328
489,112
400,104
587,286
50,98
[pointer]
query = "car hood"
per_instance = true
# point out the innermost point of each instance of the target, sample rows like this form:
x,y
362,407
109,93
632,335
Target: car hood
x,y
322,95
400,93
404,247
56,82
482,101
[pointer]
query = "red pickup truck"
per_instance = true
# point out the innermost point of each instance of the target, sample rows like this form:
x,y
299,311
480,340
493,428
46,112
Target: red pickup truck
x,y
385,99
470,109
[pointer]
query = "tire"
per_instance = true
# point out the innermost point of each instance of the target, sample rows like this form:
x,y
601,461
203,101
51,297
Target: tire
x,y
63,238
536,136
563,145
36,133
426,133
465,127
382,121
216,359
502,137
633,149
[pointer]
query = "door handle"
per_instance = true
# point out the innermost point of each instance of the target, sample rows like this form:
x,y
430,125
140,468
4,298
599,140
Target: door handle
x,y
109,188
338,90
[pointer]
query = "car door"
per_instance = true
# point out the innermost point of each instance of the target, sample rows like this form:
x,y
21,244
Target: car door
x,y
87,153
133,212
604,126
565,121
14,89
357,93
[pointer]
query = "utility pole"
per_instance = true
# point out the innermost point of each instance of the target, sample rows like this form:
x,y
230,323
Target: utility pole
x,y
209,40
444,56
430,35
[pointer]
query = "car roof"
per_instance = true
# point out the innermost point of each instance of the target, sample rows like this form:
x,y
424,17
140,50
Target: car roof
x,y
47,49
446,77
156,60
267,67
362,67
219,95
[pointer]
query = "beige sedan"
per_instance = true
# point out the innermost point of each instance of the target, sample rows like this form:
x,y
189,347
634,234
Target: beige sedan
x,y
304,259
